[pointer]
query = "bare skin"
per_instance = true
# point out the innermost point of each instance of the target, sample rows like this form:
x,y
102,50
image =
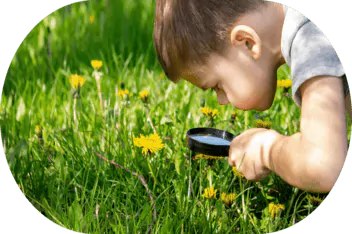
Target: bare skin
x,y
245,76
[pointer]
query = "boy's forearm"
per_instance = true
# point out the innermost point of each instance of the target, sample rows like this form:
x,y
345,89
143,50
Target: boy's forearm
x,y
312,159
348,105
302,164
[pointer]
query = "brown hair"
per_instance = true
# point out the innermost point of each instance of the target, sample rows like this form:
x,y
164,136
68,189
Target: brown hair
x,y
187,31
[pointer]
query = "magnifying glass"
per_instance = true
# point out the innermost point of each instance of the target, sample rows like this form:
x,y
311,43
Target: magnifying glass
x,y
209,141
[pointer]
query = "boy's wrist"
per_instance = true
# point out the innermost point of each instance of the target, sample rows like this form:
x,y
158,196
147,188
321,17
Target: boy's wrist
x,y
274,139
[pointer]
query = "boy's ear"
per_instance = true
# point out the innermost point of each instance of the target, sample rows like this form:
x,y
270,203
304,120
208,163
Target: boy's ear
x,y
245,35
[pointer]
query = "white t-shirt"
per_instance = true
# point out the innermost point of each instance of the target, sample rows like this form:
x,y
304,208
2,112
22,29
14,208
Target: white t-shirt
x,y
308,52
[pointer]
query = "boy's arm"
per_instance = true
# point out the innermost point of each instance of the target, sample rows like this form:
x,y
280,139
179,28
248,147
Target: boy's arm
x,y
348,105
313,158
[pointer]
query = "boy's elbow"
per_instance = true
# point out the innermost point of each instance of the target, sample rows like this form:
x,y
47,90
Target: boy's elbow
x,y
323,171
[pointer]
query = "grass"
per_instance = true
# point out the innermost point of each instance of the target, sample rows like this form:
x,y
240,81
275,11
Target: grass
x,y
60,171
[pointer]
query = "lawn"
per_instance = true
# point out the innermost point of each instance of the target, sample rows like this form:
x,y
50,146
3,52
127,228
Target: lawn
x,y
74,143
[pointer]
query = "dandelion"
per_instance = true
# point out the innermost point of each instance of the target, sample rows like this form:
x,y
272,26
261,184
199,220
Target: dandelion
x,y
263,124
149,144
237,173
123,93
96,64
91,19
144,95
204,156
209,112
228,199
38,131
314,200
76,81
234,115
210,193
286,84
274,209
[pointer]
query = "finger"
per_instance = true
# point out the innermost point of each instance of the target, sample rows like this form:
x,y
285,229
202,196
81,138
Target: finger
x,y
260,177
232,160
239,162
233,153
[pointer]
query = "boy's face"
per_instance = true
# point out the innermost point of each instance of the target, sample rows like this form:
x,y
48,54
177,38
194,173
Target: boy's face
x,y
245,73
238,79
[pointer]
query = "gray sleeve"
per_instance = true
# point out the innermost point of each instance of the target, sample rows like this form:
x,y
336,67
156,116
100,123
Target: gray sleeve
x,y
312,55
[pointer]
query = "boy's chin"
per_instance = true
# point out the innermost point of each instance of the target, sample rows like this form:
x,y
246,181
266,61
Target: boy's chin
x,y
263,106
259,107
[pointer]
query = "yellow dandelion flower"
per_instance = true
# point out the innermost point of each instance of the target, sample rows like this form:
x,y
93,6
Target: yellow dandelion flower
x,y
162,75
234,115
228,199
210,193
314,200
267,124
144,95
151,143
91,19
96,64
237,173
263,124
287,83
274,209
204,156
209,112
38,130
123,92
259,123
76,81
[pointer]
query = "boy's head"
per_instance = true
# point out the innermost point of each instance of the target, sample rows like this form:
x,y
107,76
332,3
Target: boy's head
x,y
231,46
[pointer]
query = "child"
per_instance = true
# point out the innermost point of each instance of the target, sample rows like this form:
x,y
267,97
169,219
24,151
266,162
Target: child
x,y
235,47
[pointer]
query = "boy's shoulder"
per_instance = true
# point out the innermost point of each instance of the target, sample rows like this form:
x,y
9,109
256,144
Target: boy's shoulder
x,y
307,51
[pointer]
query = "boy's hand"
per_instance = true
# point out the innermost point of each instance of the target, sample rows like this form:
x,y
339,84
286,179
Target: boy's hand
x,y
249,152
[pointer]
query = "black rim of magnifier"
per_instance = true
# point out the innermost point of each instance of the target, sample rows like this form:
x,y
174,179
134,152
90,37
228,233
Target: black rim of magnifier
x,y
209,149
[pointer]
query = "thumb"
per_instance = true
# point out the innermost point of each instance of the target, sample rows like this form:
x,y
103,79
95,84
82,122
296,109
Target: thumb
x,y
235,152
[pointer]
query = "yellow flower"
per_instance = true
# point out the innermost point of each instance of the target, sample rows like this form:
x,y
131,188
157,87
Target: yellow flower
x,y
209,112
228,199
263,124
96,64
162,75
38,130
123,92
76,81
234,115
151,143
275,208
204,156
144,95
210,193
237,173
91,19
287,83
314,200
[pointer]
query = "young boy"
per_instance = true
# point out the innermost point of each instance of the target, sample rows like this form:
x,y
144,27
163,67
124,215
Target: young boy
x,y
235,47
